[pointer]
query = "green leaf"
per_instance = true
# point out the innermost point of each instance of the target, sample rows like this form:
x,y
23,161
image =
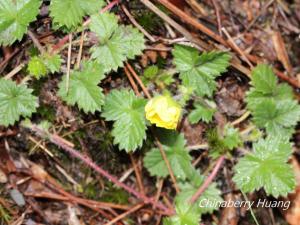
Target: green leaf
x,y
201,113
36,67
83,88
231,138
40,66
53,62
151,71
70,13
15,16
272,105
223,143
278,118
116,43
185,215
265,87
15,101
263,79
266,168
177,154
127,110
104,25
199,71
210,195
165,78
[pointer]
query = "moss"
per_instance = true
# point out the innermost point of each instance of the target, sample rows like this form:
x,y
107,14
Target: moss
x,y
47,113
115,195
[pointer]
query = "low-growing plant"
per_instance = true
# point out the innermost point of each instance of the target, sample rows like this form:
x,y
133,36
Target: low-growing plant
x,y
273,108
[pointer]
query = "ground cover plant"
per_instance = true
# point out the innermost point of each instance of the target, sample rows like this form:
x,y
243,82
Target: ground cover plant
x,y
139,112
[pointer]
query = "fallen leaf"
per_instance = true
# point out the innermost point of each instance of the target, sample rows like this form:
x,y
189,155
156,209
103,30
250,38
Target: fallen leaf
x,y
281,51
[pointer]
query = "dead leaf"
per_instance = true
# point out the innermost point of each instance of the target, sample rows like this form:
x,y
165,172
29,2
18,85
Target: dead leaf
x,y
293,213
3,177
229,214
192,133
73,219
281,51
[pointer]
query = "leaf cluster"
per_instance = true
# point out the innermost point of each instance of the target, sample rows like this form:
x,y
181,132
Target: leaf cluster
x,y
266,167
116,43
199,71
127,112
272,104
40,66
16,101
82,88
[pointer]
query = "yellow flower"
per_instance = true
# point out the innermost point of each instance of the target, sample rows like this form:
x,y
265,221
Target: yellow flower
x,y
163,111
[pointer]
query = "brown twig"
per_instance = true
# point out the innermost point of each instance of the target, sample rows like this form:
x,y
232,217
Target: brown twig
x,y
263,9
131,81
14,71
36,42
192,21
123,215
6,60
80,50
218,16
219,39
136,24
69,62
237,48
137,174
165,158
208,180
138,80
173,23
55,139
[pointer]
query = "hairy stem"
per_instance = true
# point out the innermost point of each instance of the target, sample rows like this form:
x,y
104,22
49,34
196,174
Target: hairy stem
x,y
208,181
63,144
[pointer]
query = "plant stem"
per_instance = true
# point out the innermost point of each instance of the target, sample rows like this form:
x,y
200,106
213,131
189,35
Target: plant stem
x,y
208,181
69,63
165,158
251,211
36,42
62,143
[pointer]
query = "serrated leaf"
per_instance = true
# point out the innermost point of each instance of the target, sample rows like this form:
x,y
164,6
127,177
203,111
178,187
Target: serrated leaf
x,y
186,214
116,43
201,113
127,110
151,71
278,118
231,138
15,101
266,168
37,67
223,143
263,79
177,154
281,92
210,195
53,62
83,88
15,16
199,71
70,13
265,87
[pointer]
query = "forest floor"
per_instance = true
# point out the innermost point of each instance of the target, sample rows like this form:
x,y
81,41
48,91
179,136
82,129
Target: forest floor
x,y
42,183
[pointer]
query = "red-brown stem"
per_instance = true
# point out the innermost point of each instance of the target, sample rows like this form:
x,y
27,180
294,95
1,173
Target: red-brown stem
x,y
66,38
208,181
57,140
